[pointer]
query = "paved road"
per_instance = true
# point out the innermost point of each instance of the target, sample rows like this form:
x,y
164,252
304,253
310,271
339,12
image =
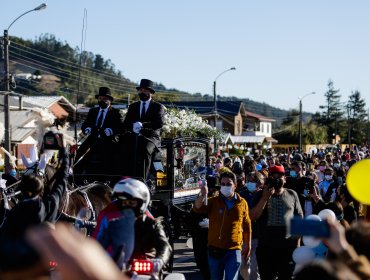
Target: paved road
x,y
184,261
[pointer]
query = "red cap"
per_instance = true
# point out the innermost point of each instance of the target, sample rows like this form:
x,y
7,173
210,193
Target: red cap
x,y
277,169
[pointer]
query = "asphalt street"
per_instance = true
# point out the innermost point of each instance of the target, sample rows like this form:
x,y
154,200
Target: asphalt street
x,y
184,261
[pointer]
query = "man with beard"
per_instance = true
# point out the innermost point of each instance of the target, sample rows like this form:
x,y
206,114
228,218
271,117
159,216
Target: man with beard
x,y
143,122
101,128
272,208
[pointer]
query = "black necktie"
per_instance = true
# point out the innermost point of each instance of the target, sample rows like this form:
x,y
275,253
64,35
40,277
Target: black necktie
x,y
142,111
100,119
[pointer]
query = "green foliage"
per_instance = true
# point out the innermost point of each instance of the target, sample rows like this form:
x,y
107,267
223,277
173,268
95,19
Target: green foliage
x,y
357,118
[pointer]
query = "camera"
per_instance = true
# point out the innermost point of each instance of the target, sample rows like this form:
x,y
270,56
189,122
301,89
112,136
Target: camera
x,y
50,141
309,184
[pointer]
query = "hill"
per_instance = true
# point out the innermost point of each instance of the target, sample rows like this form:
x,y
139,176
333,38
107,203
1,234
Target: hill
x,y
61,74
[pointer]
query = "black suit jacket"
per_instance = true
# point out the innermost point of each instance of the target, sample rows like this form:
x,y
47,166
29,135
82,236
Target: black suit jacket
x,y
152,121
113,120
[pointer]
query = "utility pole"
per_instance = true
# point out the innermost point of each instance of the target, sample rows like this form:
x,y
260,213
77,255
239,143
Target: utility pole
x,y
368,127
215,114
300,125
215,104
349,124
6,81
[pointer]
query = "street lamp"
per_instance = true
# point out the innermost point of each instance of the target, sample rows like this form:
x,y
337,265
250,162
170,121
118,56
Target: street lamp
x,y
215,102
6,81
300,118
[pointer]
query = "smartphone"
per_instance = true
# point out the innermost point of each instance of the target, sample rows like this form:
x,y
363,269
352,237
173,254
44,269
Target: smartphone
x,y
303,227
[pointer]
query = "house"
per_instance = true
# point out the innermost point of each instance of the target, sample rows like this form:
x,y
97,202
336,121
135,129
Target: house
x,y
229,116
24,129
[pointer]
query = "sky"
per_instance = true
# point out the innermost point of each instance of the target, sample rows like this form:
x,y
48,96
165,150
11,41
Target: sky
x,y
281,49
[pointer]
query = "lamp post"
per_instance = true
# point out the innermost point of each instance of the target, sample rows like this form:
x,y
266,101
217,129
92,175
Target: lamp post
x,y
215,103
6,81
300,118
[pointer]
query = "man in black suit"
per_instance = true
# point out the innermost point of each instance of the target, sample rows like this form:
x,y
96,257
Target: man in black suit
x,y
102,128
143,122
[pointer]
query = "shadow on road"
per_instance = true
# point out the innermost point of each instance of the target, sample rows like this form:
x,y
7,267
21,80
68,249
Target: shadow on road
x,y
184,261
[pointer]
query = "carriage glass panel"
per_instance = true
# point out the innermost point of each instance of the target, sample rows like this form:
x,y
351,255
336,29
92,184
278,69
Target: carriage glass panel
x,y
190,166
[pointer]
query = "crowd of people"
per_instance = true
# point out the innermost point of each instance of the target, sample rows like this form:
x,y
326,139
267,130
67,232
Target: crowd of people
x,y
240,217
253,241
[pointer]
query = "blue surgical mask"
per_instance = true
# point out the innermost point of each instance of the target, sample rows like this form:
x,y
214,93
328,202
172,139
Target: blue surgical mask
x,y
328,177
252,187
336,164
293,174
13,173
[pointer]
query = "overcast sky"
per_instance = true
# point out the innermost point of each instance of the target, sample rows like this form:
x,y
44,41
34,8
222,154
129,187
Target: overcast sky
x,y
282,49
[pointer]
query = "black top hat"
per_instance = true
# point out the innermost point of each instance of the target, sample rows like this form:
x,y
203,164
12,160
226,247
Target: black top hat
x,y
104,91
145,83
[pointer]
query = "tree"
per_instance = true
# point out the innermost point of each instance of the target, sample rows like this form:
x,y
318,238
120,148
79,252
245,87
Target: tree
x,y
332,112
357,118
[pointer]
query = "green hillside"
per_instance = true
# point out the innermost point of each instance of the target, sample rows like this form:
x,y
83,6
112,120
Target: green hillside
x,y
59,66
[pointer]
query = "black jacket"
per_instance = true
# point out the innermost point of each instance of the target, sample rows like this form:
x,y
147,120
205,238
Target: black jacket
x,y
152,121
151,240
113,120
39,209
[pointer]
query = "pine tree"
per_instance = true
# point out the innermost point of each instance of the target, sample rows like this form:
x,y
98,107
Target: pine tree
x,y
357,118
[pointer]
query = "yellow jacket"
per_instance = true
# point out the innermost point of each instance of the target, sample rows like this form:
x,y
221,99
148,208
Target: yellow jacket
x,y
227,227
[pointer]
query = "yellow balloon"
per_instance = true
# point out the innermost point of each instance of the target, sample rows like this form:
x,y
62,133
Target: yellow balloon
x,y
358,181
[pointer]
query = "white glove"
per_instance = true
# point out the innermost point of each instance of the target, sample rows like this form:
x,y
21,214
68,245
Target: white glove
x,y
108,131
137,127
87,130
157,265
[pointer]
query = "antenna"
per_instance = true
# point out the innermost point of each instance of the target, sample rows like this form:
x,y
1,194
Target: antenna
x,y
82,50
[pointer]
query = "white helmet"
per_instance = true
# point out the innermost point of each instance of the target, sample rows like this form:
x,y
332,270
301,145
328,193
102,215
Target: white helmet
x,y
132,188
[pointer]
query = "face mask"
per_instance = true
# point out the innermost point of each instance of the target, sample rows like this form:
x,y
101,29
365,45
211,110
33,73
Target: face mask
x,y
344,163
103,104
304,172
218,165
336,164
322,168
13,173
251,186
144,96
276,183
328,177
293,174
227,191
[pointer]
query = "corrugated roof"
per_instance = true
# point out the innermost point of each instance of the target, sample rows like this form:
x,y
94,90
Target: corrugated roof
x,y
247,139
41,101
17,118
228,108
21,133
258,117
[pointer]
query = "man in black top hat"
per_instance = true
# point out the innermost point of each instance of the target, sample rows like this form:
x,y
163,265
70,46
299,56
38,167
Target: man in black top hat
x,y
143,122
101,127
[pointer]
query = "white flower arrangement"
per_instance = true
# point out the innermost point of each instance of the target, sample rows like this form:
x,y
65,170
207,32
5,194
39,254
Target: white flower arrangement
x,y
179,123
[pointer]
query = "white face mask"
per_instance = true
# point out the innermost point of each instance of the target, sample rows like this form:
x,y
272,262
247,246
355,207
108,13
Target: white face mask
x,y
336,164
227,191
251,186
